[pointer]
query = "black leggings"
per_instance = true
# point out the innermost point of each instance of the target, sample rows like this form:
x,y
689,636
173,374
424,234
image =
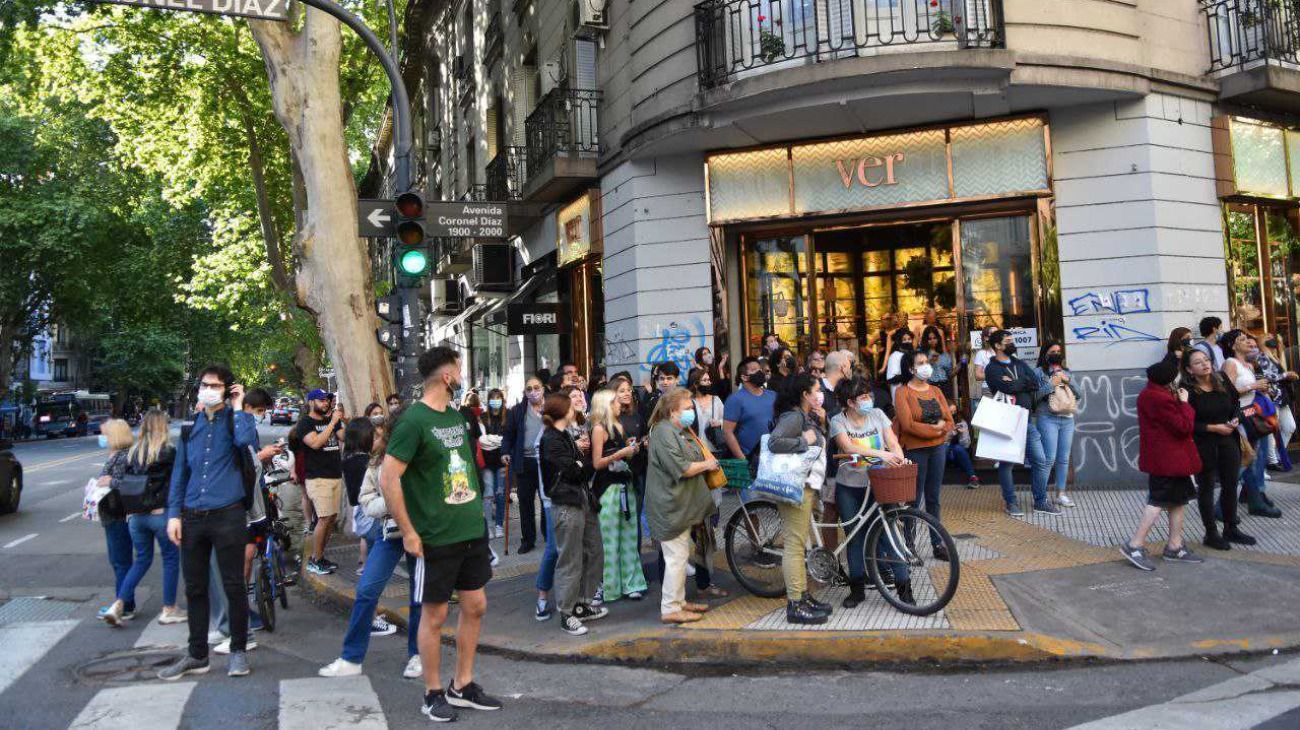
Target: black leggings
x,y
1221,458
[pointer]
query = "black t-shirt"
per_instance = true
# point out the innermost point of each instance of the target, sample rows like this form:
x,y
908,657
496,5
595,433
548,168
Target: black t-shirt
x,y
325,462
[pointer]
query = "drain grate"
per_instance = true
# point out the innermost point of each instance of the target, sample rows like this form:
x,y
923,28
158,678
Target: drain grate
x,y
29,609
132,665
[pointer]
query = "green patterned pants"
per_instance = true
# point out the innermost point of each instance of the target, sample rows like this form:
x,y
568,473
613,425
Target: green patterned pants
x,y
623,573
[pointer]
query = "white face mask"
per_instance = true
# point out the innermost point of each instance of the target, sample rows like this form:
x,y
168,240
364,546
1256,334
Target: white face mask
x,y
209,397
924,371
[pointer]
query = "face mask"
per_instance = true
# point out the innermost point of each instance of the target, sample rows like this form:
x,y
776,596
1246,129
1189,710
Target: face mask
x,y
905,346
758,379
534,396
706,388
209,397
1188,343
103,440
772,347
495,404
687,418
1055,359
865,407
819,398
1271,344
924,371
1252,356
376,420
707,359
1009,349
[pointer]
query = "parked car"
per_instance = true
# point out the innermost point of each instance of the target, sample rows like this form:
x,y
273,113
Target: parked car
x,y
287,415
11,478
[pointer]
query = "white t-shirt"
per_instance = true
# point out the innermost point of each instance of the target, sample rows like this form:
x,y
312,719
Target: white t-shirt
x,y
981,360
871,435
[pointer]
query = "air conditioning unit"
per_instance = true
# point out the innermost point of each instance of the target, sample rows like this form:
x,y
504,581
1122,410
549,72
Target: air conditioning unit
x,y
552,76
589,18
493,267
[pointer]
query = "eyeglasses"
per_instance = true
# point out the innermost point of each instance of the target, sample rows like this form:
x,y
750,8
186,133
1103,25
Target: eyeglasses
x,y
212,386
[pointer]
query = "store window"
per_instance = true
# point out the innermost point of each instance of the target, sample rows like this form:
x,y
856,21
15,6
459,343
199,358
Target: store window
x,y
777,276
1263,257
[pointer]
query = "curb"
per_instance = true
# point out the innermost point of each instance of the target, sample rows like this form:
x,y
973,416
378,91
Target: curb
x,y
735,649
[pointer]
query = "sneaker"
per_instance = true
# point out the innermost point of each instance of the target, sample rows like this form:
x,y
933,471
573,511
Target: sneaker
x,y
414,668
173,616
799,612
436,707
635,596
113,616
543,610
361,568
224,647
216,637
1181,555
1235,535
328,564
340,668
380,627
817,605
494,559
570,625
690,570
319,567
238,666
498,533
1137,556
102,610
255,621
128,614
1216,542
599,598
1013,510
183,666
471,696
1047,508
1064,500
585,613
973,482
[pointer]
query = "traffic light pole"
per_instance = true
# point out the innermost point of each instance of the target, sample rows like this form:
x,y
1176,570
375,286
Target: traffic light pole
x,y
407,376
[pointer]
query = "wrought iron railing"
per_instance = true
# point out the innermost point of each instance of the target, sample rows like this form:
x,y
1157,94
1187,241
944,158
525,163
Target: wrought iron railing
x,y
1243,32
475,193
564,123
506,174
735,37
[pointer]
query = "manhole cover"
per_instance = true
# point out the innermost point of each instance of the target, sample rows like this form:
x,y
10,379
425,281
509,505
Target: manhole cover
x,y
29,609
133,665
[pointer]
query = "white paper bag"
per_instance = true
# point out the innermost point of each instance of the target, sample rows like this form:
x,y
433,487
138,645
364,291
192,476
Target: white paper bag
x,y
997,414
1007,448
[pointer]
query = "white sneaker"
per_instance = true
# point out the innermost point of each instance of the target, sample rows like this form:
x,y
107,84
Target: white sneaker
x,y
494,559
174,616
224,647
1064,500
216,637
340,668
414,668
690,570
498,532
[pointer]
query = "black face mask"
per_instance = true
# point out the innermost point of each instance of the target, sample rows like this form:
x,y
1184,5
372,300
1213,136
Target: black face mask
x,y
758,379
705,389
1271,344
905,347
1055,359
1186,343
1009,349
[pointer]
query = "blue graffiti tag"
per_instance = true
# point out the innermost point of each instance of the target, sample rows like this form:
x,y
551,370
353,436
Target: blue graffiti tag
x,y
1113,332
675,346
1120,301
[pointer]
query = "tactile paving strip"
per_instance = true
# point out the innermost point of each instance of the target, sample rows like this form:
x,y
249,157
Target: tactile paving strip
x,y
29,609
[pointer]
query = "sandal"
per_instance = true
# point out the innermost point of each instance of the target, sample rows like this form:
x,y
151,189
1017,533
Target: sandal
x,y
680,617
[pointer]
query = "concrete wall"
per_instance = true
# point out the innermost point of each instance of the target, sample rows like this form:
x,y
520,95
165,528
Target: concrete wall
x,y
658,295
1141,251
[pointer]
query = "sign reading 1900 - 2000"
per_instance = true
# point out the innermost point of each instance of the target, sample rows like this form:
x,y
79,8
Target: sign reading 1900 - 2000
x,y
261,9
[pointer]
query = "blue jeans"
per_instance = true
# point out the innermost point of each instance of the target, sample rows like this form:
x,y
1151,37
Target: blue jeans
x,y
1038,469
546,570
848,500
958,455
381,561
494,486
1057,433
930,462
1253,475
118,536
145,530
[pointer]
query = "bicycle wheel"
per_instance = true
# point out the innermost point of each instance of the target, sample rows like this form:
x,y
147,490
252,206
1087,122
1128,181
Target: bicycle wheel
x,y
754,548
262,594
281,588
931,581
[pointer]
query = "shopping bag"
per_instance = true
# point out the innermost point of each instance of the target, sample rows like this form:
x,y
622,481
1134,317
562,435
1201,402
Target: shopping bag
x,y
781,476
90,500
997,414
1009,448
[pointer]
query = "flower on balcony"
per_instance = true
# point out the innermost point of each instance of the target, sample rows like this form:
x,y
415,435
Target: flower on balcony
x,y
943,20
770,45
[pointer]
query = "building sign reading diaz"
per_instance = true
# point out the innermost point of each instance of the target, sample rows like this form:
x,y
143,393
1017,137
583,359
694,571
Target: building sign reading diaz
x,y
870,172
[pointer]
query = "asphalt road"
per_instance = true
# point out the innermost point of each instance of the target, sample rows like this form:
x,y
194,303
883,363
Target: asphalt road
x,y
60,667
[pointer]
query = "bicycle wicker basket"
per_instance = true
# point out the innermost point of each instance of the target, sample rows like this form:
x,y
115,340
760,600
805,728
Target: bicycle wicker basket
x,y
894,484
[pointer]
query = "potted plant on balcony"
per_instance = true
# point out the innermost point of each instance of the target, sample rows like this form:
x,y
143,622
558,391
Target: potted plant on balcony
x,y
942,24
771,47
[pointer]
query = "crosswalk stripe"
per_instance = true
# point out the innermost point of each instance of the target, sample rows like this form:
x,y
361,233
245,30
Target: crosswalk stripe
x,y
170,635
153,705
320,703
25,644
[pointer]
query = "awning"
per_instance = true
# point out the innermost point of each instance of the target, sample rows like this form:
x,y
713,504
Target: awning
x,y
536,281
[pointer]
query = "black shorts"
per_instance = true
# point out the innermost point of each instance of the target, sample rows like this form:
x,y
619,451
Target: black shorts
x,y
461,566
1169,492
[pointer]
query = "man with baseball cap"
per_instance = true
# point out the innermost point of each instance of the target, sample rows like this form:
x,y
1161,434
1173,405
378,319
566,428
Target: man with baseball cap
x,y
321,433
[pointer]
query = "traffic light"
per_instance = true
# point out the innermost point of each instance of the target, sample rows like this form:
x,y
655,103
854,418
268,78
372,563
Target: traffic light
x,y
412,254
389,334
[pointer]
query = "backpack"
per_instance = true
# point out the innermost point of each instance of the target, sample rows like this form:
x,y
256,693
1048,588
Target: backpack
x,y
143,488
243,458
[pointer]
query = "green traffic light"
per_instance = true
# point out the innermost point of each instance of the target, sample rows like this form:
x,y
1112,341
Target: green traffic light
x,y
413,262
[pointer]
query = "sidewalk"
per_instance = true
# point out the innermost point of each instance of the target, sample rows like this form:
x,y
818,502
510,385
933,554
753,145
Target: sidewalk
x,y
1041,587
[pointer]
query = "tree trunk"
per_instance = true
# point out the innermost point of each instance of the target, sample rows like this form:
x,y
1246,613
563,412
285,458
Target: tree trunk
x,y
334,277
8,335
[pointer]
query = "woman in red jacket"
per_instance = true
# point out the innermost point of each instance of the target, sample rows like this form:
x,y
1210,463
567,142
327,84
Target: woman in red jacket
x,y
1168,456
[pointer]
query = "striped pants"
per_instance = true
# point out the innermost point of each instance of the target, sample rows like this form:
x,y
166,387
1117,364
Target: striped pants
x,y
618,524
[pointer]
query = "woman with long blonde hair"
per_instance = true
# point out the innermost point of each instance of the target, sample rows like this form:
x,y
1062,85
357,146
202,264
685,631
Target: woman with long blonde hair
x,y
611,452
148,462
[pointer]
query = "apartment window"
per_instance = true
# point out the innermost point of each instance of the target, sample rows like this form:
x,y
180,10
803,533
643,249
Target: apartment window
x,y
61,369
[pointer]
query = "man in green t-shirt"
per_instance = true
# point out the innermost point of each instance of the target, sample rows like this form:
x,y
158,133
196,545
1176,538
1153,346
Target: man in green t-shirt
x,y
431,487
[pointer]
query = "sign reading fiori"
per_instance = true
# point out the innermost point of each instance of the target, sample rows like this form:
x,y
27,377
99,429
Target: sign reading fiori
x,y
260,9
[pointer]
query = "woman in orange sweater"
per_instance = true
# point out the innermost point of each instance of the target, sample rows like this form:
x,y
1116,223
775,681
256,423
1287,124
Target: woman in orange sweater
x,y
923,422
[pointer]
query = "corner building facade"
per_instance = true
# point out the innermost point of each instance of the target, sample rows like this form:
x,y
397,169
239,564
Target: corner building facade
x,y
685,175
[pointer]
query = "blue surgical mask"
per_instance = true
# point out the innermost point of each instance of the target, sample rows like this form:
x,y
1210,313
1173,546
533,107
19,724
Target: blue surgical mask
x,y
495,404
103,440
687,418
865,407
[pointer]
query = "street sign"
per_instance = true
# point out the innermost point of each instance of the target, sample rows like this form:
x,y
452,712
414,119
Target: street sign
x,y
259,9
442,219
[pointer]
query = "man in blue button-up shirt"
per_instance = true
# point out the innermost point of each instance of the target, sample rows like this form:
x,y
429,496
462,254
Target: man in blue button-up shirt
x,y
206,515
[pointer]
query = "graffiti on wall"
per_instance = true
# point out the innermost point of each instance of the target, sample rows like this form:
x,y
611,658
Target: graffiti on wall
x,y
1112,331
672,342
1118,301
1105,451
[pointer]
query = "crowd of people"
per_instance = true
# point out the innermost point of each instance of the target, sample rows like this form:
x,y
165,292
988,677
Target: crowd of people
x,y
601,469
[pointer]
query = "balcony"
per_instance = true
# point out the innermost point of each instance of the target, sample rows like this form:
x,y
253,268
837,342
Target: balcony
x,y
475,193
563,144
506,175
451,257
493,42
738,39
1255,51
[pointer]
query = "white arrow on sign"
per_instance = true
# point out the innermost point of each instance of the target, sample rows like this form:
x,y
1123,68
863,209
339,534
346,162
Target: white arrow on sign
x,y
378,218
